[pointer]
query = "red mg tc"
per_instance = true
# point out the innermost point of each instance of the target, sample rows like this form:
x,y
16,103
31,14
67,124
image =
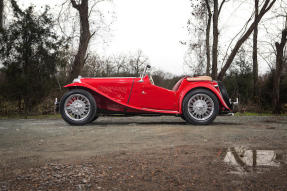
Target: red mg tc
x,y
197,100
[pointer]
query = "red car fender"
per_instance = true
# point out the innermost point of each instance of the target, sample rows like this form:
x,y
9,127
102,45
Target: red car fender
x,y
76,84
201,85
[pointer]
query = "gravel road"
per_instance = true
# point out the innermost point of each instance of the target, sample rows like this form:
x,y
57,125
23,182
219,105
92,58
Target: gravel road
x,y
144,153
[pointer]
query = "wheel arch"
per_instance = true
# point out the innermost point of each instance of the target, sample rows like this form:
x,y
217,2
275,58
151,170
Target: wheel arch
x,y
208,87
80,86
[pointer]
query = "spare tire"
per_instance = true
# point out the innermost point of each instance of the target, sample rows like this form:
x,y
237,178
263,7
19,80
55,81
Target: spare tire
x,y
224,94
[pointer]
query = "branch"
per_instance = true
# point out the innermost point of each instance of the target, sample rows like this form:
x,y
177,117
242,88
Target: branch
x,y
242,29
59,17
230,59
208,7
220,7
270,64
75,5
93,34
94,6
268,8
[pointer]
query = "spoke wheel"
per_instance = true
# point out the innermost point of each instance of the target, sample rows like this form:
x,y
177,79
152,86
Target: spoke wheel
x,y
200,107
78,107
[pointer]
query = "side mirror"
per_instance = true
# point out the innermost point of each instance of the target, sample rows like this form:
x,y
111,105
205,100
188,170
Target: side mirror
x,y
144,72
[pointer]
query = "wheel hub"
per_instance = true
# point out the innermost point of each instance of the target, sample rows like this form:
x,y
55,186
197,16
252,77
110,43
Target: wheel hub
x,y
200,107
78,107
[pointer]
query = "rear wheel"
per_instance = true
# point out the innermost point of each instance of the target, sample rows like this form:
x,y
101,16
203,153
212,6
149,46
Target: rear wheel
x,y
200,107
78,107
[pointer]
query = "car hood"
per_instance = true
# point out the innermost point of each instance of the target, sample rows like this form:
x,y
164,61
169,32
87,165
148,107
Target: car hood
x,y
106,81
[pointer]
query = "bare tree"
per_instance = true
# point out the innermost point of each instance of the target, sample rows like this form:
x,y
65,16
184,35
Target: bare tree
x,y
83,21
199,45
265,8
85,35
93,66
208,27
280,60
137,63
216,13
215,40
255,59
120,64
1,14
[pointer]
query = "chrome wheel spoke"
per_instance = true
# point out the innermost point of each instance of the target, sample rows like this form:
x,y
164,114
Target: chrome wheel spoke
x,y
200,107
77,107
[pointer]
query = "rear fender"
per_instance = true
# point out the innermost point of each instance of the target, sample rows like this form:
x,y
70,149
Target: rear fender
x,y
210,87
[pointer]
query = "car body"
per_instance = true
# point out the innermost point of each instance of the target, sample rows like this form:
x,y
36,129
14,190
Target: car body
x,y
198,100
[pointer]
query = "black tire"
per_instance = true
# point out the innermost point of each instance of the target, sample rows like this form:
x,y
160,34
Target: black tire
x,y
190,118
88,117
95,118
182,117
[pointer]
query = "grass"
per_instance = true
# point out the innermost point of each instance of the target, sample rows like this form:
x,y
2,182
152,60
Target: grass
x,y
258,114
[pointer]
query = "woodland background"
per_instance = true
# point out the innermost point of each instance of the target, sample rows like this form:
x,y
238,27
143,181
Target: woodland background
x,y
39,53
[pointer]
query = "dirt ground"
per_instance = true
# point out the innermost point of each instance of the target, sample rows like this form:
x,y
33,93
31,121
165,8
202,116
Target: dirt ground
x,y
144,153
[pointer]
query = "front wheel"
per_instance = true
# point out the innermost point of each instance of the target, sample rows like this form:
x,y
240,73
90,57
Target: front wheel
x,y
200,107
78,107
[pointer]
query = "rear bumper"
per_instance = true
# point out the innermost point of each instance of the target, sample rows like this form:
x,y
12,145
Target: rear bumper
x,y
234,105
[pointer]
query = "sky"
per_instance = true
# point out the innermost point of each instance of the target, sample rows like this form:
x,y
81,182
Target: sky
x,y
154,26
157,26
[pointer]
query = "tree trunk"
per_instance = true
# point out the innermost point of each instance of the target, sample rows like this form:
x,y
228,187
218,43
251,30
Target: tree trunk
x,y
208,38
255,59
85,37
215,40
277,73
266,7
1,14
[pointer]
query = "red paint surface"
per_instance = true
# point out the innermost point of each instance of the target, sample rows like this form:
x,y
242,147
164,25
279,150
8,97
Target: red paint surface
x,y
136,96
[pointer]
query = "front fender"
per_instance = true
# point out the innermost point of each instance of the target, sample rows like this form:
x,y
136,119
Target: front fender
x,y
210,87
77,84
84,85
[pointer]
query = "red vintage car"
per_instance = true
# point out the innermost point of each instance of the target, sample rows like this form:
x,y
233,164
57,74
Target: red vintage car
x,y
198,100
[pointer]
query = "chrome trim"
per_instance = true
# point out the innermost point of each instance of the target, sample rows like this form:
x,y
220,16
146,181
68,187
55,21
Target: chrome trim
x,y
144,72
237,102
77,80
56,101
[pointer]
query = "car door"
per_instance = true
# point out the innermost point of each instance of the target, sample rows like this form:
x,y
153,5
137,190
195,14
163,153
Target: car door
x,y
149,96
